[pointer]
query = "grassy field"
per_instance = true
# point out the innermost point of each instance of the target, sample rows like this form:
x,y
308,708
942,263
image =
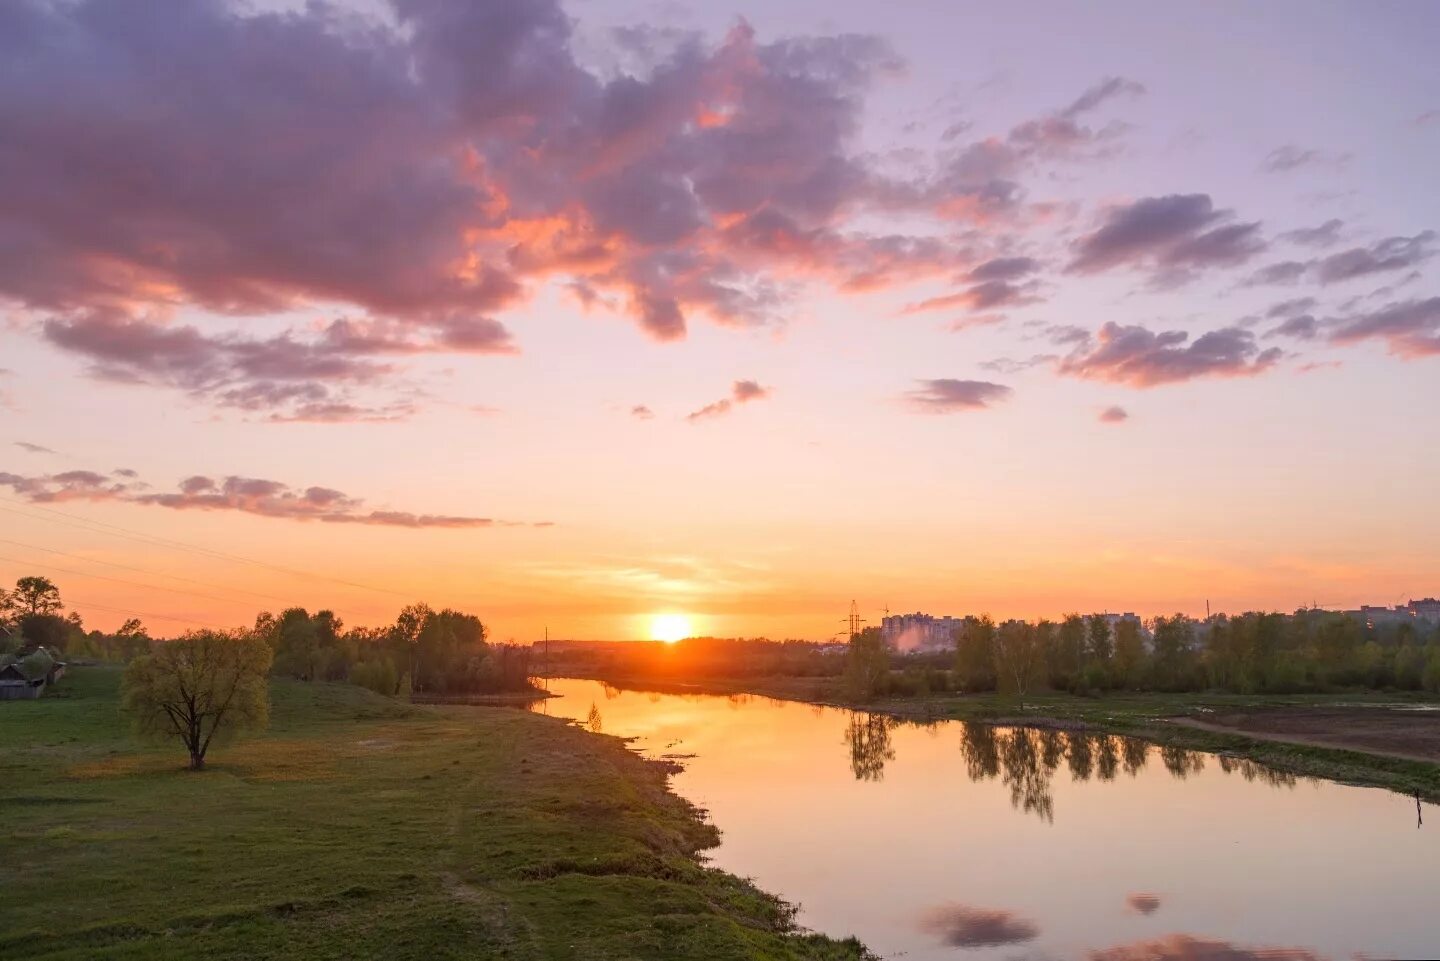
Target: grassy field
x,y
357,827
1146,716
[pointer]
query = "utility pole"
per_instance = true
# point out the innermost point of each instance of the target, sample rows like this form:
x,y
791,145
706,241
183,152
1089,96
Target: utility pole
x,y
854,620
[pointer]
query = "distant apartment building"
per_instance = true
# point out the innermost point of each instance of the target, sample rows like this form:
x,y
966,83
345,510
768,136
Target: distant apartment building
x,y
1426,610
920,632
1114,620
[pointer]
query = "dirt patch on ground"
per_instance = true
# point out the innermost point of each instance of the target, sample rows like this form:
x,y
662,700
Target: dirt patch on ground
x,y
1394,732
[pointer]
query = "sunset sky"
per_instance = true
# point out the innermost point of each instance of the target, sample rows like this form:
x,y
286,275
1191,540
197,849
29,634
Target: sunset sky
x,y
576,315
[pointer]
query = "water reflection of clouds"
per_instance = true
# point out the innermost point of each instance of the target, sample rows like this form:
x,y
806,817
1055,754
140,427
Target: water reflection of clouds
x,y
1142,903
1184,947
1026,759
963,926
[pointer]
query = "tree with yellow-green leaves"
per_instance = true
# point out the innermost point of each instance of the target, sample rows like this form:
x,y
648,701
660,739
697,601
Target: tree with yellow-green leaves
x,y
205,687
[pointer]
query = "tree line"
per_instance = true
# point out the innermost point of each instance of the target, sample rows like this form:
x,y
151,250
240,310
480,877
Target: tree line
x,y
426,650
1255,652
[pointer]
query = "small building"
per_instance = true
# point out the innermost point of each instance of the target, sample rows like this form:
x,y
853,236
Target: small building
x,y
16,685
24,678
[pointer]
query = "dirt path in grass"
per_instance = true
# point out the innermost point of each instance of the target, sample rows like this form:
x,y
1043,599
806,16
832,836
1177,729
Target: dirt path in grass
x,y
1410,735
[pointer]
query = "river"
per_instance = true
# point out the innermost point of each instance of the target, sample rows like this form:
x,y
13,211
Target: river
x,y
955,840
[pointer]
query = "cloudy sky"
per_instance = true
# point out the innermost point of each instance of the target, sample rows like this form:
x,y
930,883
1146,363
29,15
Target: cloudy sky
x,y
576,314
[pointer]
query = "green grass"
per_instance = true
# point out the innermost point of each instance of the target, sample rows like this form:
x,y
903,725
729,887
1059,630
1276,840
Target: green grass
x,y
357,827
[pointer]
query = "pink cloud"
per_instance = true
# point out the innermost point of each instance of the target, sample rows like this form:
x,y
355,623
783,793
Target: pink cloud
x,y
948,396
741,392
1138,357
430,173
247,495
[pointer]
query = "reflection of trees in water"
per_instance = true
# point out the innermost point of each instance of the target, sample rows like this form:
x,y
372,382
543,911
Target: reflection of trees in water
x,y
1107,757
1180,762
870,746
980,747
1052,749
1080,754
1025,775
1025,760
611,691
1133,752
1251,771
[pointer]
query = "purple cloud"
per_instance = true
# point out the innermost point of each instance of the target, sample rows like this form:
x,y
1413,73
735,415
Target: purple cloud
x,y
1114,415
1168,234
1290,158
741,392
290,378
990,295
33,448
1289,308
641,412
1004,268
1010,365
428,172
248,495
1300,327
1392,253
1411,328
947,396
1138,357
1284,272
1324,235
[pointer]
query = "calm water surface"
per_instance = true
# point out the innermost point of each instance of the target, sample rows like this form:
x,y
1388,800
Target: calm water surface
x,y
957,840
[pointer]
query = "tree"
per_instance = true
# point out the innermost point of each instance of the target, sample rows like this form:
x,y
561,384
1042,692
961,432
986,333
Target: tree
x,y
44,630
1068,659
1174,646
34,596
1018,657
1101,647
405,635
975,654
1129,652
867,663
205,685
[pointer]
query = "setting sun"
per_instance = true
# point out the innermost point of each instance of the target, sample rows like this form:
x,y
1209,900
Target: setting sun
x,y
669,627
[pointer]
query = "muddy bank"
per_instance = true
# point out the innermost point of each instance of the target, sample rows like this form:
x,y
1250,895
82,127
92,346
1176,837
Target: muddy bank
x,y
1405,732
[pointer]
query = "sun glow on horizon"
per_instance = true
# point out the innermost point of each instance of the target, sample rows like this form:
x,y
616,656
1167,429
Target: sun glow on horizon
x,y
669,627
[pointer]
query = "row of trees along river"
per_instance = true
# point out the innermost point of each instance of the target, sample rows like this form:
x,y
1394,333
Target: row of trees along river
x,y
1255,652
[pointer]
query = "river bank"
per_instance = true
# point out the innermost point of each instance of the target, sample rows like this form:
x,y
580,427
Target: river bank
x,y
1376,739
360,827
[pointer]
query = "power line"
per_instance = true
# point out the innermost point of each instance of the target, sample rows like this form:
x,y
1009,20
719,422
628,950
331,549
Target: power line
x,y
161,617
116,531
141,570
119,580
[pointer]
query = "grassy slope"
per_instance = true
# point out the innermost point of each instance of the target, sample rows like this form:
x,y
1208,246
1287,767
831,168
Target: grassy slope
x,y
1138,715
357,828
